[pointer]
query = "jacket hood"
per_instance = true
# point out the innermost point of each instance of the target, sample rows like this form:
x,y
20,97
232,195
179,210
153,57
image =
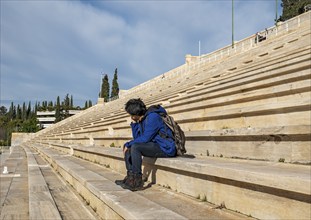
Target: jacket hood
x,y
157,109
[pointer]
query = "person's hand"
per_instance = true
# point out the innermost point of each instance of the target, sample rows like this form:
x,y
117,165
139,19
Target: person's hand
x,y
124,150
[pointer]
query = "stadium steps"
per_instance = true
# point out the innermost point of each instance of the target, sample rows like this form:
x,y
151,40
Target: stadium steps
x,y
96,185
260,189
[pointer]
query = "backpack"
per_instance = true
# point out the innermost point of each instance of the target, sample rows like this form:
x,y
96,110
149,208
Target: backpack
x,y
178,134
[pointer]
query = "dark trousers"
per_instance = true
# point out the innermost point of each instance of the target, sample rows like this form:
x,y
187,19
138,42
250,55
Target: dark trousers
x,y
133,157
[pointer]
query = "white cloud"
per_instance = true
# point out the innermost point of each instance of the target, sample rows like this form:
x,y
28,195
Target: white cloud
x,y
51,48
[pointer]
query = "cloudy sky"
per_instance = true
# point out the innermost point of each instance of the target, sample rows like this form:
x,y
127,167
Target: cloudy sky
x,y
51,48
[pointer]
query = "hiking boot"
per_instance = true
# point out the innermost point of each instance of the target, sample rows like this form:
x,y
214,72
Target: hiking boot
x,y
122,182
134,182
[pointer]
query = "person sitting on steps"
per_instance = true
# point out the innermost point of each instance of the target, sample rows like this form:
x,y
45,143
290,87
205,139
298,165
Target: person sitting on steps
x,y
149,139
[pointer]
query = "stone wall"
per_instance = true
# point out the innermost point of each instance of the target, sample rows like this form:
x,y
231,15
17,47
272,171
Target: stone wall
x,y
18,138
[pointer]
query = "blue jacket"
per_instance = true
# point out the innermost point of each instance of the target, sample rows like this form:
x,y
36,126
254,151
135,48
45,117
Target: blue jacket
x,y
149,130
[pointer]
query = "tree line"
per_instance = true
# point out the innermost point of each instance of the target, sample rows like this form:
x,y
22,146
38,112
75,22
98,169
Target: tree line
x,y
16,119
23,118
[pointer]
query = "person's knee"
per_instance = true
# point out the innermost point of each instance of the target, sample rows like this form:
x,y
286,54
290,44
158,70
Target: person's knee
x,y
136,147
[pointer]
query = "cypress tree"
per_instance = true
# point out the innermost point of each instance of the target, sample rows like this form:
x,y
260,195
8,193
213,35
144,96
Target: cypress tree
x,y
11,112
44,105
18,112
28,112
115,85
105,88
24,112
66,105
50,106
57,110
36,108
14,113
71,102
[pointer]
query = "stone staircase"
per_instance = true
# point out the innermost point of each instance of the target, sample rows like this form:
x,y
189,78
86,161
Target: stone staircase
x,y
249,187
38,193
247,120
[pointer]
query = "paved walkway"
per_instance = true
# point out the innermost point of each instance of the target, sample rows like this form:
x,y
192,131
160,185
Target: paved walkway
x,y
14,185
15,189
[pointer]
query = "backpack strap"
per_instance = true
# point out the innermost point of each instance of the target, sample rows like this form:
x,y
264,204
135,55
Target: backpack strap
x,y
165,136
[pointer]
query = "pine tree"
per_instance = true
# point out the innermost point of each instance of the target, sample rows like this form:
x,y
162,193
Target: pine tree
x,y
29,125
292,8
3,110
115,85
105,88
